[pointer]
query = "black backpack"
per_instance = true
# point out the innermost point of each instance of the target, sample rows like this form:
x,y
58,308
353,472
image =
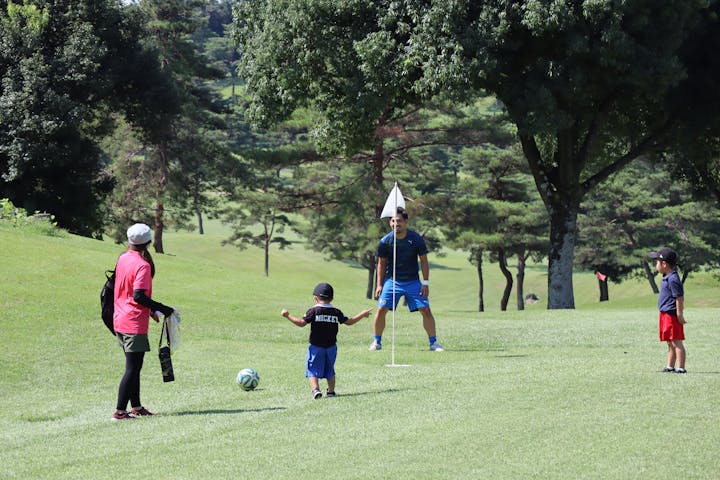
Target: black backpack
x,y
107,300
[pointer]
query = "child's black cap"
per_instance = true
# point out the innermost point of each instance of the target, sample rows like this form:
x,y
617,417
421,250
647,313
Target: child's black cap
x,y
665,253
323,290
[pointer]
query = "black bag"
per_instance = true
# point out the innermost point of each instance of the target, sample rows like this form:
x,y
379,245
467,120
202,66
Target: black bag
x,y
107,300
164,354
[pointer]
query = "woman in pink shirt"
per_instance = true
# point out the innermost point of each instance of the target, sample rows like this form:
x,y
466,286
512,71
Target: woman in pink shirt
x,y
133,308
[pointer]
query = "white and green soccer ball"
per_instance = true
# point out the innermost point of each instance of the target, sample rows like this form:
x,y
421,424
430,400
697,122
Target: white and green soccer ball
x,y
248,379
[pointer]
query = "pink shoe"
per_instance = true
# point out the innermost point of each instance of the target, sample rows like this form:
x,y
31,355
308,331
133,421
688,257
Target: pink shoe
x,y
117,416
141,412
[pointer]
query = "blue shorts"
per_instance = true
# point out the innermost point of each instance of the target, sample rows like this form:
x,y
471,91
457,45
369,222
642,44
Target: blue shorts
x,y
321,361
411,291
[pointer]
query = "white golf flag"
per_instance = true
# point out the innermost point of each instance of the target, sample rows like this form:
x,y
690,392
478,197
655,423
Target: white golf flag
x,y
394,200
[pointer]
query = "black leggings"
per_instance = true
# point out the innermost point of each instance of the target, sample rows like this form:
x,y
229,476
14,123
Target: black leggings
x,y
130,384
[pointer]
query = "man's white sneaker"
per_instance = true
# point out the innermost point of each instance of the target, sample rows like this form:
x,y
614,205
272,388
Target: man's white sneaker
x,y
436,347
374,346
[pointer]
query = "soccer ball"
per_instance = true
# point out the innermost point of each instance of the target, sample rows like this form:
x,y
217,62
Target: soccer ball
x,y
248,379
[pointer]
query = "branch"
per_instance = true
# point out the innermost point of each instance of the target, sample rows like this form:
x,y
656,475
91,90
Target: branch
x,y
405,114
534,159
594,130
405,148
315,199
645,146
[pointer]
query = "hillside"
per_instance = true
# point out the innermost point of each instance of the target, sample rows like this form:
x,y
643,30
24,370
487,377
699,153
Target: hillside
x,y
207,279
513,385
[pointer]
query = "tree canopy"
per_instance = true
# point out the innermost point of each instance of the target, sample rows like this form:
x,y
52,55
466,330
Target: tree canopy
x,y
639,210
591,86
65,67
325,103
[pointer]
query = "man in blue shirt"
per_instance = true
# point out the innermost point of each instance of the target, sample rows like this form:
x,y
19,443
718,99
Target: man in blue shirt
x,y
410,247
671,305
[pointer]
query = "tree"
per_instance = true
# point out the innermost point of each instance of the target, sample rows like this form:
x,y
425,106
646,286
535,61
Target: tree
x,y
611,239
591,86
257,207
472,216
696,153
345,63
346,231
186,151
494,210
217,43
348,62
67,68
129,167
695,228
476,258
639,210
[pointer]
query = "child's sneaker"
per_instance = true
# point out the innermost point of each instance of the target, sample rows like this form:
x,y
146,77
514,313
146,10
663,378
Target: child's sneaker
x,y
117,416
141,412
375,346
330,394
317,394
436,347
668,369
680,370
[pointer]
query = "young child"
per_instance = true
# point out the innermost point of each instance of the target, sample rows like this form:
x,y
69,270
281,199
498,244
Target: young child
x,y
670,305
322,351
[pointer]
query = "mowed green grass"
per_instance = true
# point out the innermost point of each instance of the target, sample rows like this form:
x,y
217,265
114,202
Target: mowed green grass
x,y
532,394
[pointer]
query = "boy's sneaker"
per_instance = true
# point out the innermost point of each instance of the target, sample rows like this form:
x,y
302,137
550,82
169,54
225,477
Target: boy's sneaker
x,y
436,347
117,416
141,412
668,369
330,394
680,370
317,394
375,346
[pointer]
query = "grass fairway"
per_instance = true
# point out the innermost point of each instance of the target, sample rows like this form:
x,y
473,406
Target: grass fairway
x,y
517,395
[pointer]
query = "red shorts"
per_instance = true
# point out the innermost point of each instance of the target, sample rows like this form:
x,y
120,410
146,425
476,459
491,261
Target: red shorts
x,y
670,328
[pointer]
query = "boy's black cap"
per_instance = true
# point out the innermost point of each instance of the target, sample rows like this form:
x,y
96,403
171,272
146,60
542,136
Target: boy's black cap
x,y
665,253
323,290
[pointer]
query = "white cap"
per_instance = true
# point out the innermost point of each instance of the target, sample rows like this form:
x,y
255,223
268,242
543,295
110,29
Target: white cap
x,y
139,234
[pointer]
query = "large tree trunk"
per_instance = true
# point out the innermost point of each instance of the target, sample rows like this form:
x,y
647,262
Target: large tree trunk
x,y
519,289
562,246
502,260
561,193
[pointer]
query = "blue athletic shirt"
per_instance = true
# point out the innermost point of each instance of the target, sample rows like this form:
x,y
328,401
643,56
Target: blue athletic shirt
x,y
408,251
670,288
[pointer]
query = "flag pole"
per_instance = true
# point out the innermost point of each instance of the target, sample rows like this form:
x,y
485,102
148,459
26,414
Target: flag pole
x,y
392,348
394,201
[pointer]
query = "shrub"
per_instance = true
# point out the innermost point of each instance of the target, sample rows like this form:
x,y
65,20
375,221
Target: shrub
x,y
39,222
